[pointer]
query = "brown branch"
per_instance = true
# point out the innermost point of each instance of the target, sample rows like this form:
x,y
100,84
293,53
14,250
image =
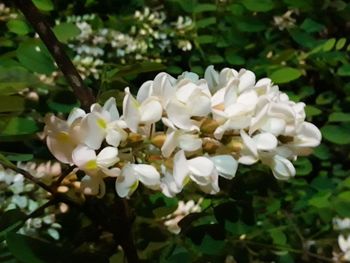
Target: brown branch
x,y
121,211
30,177
37,20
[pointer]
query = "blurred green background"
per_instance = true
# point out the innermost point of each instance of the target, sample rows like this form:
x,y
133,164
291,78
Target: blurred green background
x,y
302,45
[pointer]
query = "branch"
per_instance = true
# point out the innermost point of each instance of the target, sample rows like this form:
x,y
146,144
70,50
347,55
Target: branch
x,y
37,20
30,177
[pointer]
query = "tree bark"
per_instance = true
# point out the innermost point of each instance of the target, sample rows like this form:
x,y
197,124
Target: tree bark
x,y
116,219
37,20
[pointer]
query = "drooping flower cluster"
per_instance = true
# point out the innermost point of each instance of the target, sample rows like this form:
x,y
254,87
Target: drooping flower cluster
x,y
18,193
178,130
149,35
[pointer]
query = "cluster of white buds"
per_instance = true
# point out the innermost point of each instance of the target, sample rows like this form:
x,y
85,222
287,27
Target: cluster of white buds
x,y
18,193
148,37
6,13
185,129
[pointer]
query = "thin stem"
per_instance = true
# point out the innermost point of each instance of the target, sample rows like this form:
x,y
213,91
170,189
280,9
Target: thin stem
x,y
37,20
30,177
63,175
122,231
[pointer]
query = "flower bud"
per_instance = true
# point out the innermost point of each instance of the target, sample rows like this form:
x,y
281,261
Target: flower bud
x,y
158,140
209,126
235,145
134,137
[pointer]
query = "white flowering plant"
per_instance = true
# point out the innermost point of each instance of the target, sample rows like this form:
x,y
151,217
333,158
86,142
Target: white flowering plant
x,y
193,164
181,130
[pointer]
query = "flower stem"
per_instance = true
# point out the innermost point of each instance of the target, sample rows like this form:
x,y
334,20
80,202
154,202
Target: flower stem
x,y
37,20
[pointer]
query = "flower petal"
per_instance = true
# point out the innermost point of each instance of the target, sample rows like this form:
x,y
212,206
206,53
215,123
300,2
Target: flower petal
x,y
85,158
189,142
147,174
127,182
180,170
265,141
212,77
131,112
226,165
107,157
76,113
282,168
111,107
170,144
150,111
246,80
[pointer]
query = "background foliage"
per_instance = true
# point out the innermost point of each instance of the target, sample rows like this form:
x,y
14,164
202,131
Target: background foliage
x,y
301,45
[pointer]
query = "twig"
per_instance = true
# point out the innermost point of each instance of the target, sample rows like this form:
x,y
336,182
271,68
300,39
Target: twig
x,y
63,175
122,231
37,20
30,177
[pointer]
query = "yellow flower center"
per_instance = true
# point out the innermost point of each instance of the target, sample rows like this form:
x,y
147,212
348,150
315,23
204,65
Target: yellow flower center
x,y
91,165
102,123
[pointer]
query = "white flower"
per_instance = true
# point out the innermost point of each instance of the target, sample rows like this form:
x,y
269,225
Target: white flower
x,y
190,100
201,170
254,147
341,224
344,245
103,123
147,112
178,138
62,136
128,181
234,104
96,167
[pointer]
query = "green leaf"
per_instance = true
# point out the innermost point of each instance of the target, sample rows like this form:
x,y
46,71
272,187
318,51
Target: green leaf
x,y
66,31
19,126
14,79
340,43
303,166
62,101
10,221
233,58
285,75
310,26
344,70
187,5
5,161
329,44
44,5
215,59
205,22
322,152
11,104
336,134
339,117
179,254
250,25
32,56
312,111
206,39
200,8
258,5
18,27
278,237
321,199
18,157
31,250
210,246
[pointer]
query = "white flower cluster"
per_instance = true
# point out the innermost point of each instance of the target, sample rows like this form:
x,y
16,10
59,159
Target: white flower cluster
x,y
147,37
6,13
185,129
16,192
